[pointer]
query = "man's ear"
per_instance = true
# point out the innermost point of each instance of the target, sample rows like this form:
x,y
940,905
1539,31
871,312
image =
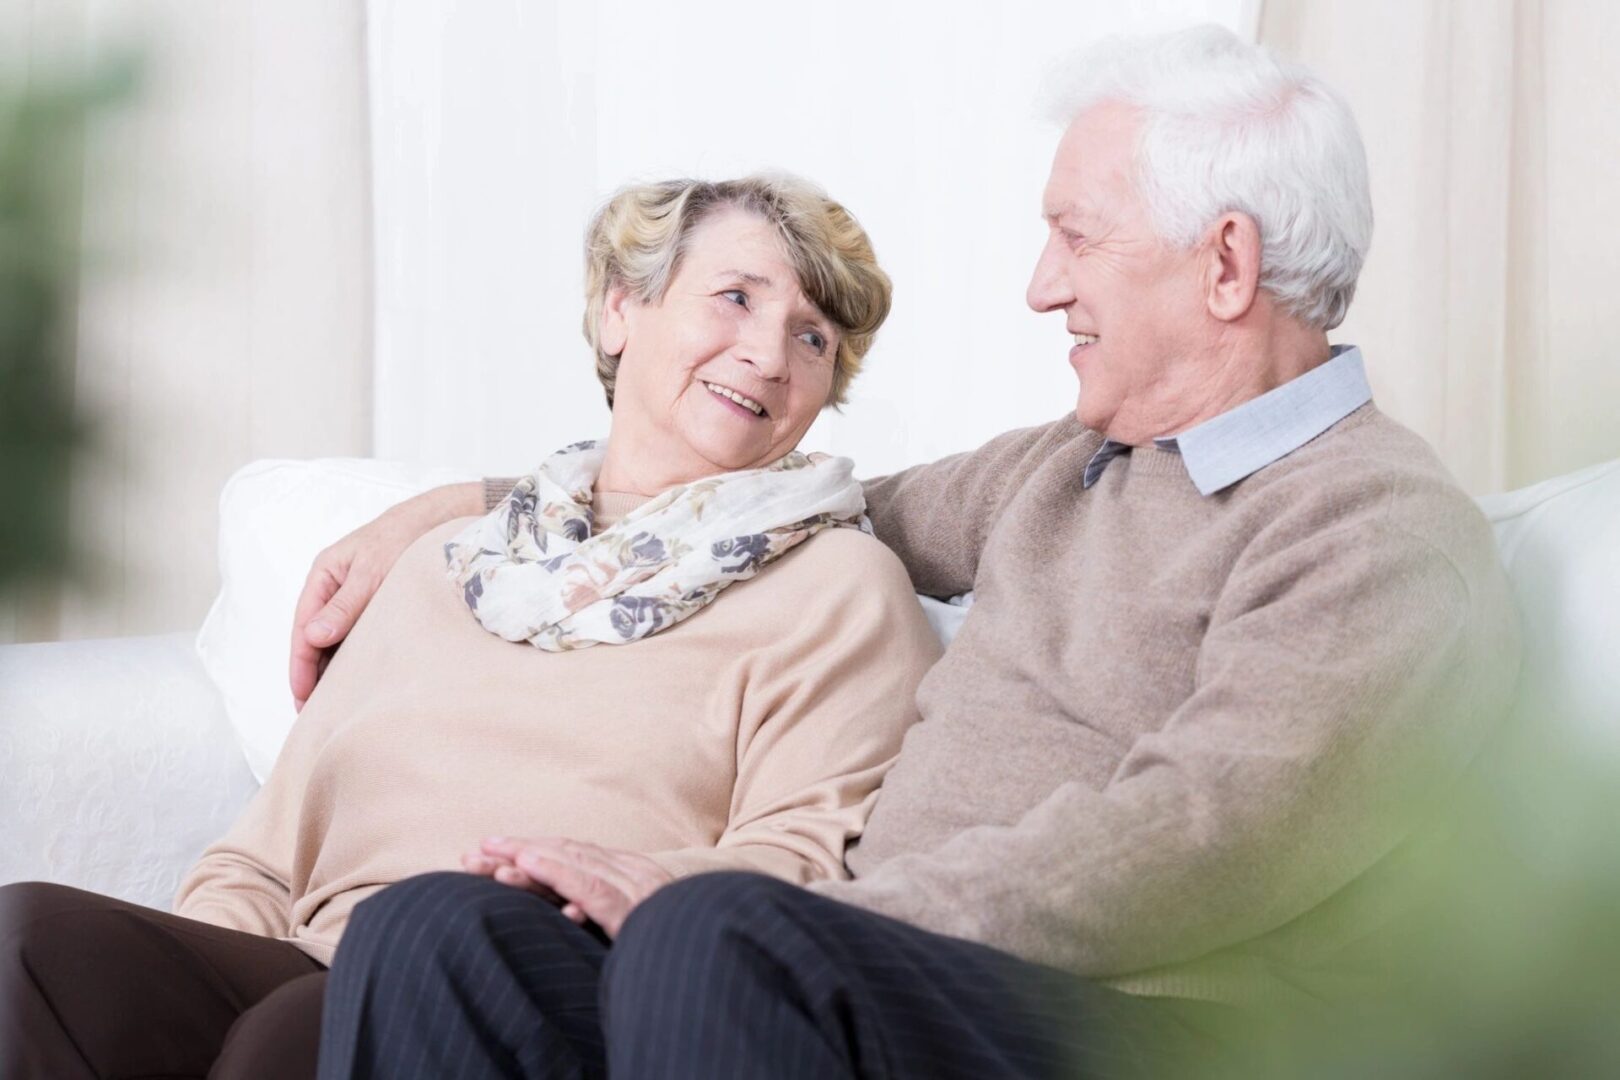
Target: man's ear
x,y
613,329
1233,267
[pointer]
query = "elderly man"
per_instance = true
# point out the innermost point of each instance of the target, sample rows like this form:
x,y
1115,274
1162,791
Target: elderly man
x,y
1235,633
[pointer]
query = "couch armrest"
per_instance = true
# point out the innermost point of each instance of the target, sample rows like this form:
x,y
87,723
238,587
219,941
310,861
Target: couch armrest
x,y
117,765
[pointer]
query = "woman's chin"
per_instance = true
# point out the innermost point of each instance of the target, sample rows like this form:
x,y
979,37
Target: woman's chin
x,y
728,455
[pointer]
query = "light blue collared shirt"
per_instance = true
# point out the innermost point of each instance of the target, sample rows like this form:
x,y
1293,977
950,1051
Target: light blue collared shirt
x,y
1242,441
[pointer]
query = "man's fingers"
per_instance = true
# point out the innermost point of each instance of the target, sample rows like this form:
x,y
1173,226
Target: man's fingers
x,y
332,623
304,670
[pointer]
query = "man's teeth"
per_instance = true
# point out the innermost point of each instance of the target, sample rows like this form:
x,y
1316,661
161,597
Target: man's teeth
x,y
1086,339
746,402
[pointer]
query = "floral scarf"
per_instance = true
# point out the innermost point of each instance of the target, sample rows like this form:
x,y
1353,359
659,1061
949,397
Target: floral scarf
x,y
535,569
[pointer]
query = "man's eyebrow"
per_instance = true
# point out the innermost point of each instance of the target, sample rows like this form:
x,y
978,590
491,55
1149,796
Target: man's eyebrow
x,y
1073,211
747,277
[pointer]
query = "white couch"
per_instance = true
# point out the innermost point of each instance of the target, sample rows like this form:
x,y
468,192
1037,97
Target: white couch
x,y
119,760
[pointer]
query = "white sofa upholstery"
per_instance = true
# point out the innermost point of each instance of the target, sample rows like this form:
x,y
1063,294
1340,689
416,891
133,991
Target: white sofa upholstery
x,y
118,764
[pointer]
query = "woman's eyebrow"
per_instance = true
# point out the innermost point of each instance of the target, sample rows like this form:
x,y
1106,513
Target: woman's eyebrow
x,y
747,277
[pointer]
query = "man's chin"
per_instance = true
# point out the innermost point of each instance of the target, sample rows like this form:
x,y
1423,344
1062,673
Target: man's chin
x,y
1090,415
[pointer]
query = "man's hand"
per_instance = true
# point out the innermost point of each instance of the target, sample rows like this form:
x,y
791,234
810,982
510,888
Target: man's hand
x,y
347,575
600,884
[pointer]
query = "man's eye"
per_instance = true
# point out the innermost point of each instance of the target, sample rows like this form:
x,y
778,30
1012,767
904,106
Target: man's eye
x,y
736,296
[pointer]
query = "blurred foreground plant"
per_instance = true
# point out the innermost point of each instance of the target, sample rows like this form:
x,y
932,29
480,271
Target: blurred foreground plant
x,y
42,136
1509,966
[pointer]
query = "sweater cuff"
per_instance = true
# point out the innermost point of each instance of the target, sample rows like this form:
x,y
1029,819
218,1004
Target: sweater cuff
x,y
775,862
496,489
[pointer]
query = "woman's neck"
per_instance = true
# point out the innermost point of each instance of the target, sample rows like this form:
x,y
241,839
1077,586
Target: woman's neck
x,y
634,467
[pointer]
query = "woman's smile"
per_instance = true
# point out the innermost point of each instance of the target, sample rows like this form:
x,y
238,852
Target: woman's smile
x,y
736,402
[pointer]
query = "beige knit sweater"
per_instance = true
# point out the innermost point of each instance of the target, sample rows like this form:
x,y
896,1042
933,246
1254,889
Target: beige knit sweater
x,y
1194,746
751,736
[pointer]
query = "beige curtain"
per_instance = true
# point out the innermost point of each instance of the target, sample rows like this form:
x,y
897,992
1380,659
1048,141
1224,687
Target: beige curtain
x,y
227,315
1487,307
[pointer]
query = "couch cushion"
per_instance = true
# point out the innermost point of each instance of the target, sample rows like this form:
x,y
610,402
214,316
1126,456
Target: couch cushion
x,y
274,518
1560,541
117,765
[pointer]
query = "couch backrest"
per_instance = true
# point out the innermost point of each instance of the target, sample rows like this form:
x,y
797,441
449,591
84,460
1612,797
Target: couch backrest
x,y
1560,541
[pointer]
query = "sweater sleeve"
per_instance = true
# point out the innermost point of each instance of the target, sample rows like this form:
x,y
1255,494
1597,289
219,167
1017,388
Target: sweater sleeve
x,y
1344,681
239,883
242,880
936,517
496,489
825,707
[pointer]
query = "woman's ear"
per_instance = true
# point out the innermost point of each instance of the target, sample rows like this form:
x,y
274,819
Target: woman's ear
x,y
1233,267
612,329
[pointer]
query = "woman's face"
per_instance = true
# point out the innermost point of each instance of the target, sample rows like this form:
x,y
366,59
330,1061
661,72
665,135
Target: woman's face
x,y
733,324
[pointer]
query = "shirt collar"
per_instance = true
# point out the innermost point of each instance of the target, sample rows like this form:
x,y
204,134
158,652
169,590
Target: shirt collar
x,y
1241,441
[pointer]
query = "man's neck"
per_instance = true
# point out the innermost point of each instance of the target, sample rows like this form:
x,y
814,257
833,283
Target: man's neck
x,y
1241,366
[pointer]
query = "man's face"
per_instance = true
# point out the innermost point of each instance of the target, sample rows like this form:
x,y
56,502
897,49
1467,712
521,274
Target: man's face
x,y
1134,304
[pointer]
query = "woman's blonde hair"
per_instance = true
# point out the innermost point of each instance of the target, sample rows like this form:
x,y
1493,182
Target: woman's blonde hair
x,y
638,238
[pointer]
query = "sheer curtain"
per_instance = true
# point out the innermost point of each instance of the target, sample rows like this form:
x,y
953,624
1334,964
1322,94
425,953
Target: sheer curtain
x,y
1487,307
499,126
225,312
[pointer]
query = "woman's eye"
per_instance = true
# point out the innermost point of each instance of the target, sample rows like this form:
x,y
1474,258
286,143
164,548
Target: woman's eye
x,y
814,340
736,296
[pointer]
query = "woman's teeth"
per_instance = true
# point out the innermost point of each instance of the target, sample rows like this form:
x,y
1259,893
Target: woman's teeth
x,y
746,402
1086,339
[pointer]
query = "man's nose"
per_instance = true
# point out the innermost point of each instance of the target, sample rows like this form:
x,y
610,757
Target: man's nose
x,y
1049,285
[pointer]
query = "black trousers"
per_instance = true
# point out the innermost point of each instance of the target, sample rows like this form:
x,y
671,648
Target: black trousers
x,y
720,975
94,987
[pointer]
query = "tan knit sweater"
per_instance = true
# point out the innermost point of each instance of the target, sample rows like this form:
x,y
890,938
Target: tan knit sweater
x,y
1189,745
751,736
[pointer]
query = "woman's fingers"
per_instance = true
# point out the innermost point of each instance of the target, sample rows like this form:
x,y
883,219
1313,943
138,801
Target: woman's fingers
x,y
604,902
503,871
601,883
594,861
475,863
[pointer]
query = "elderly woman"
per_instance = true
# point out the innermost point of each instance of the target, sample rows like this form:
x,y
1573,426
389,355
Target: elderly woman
x,y
594,664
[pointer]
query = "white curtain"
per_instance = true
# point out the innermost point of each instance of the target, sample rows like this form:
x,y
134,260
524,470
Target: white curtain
x,y
499,126
225,312
1487,307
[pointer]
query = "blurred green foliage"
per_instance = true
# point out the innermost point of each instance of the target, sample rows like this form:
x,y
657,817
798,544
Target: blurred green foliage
x,y
1506,963
43,128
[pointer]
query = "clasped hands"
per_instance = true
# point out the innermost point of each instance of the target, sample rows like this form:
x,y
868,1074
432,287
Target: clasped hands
x,y
590,882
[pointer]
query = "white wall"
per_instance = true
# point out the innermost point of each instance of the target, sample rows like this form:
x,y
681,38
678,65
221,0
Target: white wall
x,y
222,312
498,126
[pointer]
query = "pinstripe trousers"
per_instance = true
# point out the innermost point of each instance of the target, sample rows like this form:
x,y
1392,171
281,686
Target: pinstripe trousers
x,y
719,975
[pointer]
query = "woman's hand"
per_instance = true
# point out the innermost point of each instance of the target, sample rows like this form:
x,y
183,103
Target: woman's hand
x,y
347,575
600,884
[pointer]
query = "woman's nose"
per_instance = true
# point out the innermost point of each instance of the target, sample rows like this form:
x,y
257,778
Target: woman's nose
x,y
766,353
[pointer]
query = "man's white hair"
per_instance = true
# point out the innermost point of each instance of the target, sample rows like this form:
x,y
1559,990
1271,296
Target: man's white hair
x,y
1227,126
